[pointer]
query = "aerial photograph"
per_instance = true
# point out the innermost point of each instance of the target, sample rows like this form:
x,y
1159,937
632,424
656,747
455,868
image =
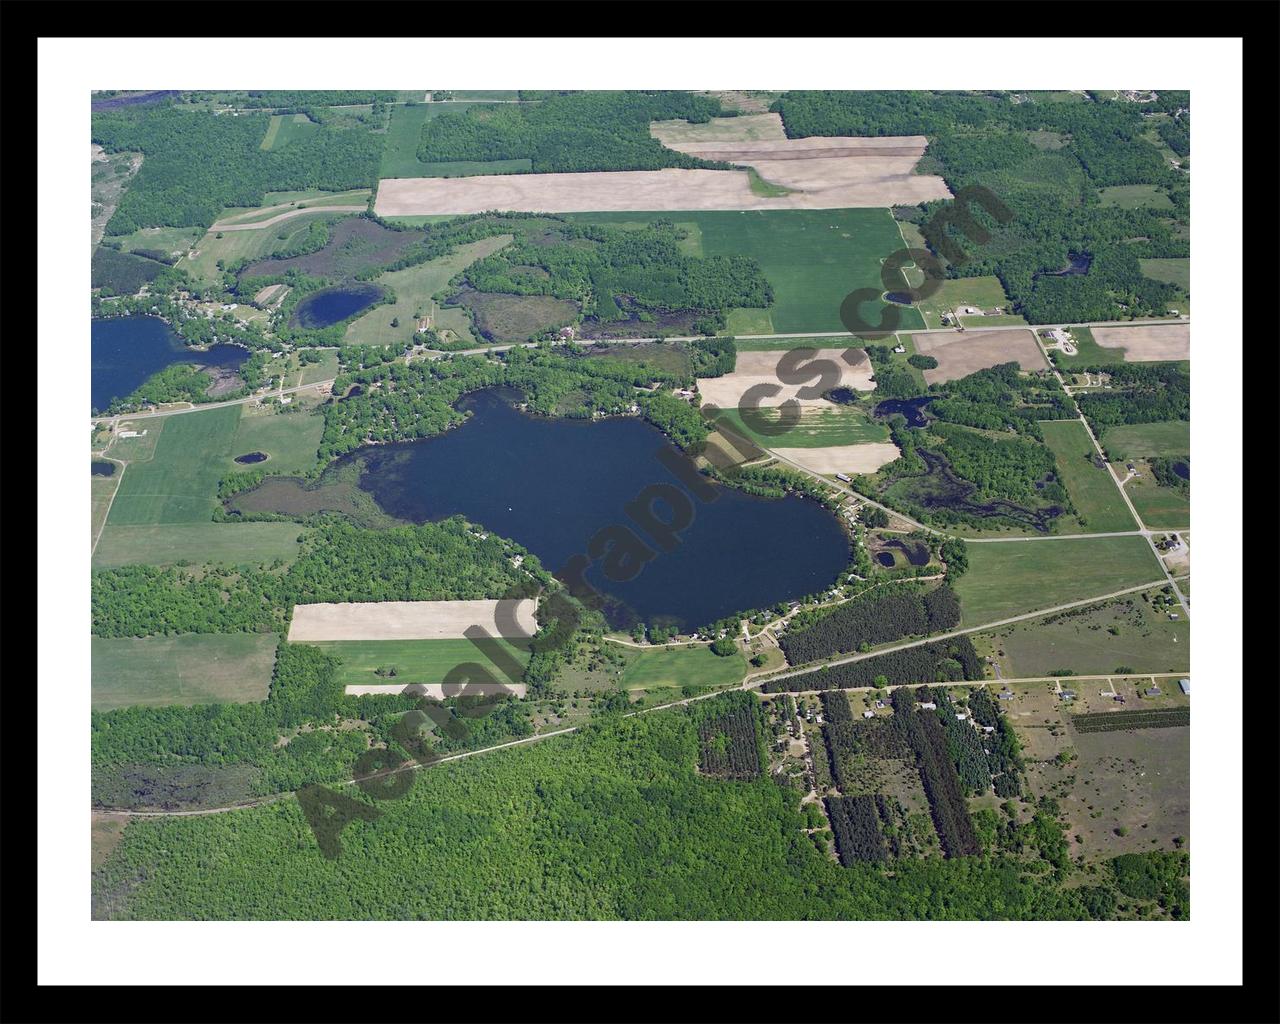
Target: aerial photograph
x,y
639,505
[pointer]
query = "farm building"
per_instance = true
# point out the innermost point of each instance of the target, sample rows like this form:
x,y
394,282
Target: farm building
x,y
1151,691
1185,686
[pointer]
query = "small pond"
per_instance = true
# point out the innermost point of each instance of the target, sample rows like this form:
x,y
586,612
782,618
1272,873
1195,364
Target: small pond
x,y
251,457
1182,469
333,305
102,468
901,298
1077,264
911,408
841,396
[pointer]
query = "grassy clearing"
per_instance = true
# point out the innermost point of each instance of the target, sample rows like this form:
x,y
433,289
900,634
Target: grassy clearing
x,y
174,241
273,204
1161,508
1046,140
289,439
762,187
1173,271
273,131
748,321
179,483
1143,640
1148,440
979,292
247,245
195,668
818,428
1088,352
1099,505
1135,197
413,288
813,258
839,341
1012,577
101,490
169,544
680,666
417,661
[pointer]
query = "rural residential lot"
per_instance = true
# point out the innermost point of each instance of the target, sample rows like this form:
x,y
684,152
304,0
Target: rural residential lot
x,y
640,505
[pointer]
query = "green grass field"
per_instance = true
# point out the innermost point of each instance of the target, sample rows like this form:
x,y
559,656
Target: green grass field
x,y
290,439
196,668
818,428
416,661
980,292
1008,578
101,489
170,543
413,288
680,666
1147,440
1161,508
1088,352
1144,641
1174,271
175,241
813,258
1135,197
1097,499
179,483
303,200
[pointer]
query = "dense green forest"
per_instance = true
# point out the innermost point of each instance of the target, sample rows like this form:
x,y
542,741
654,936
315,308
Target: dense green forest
x,y
1139,393
197,163
887,614
440,561
945,660
583,131
614,823
989,140
613,272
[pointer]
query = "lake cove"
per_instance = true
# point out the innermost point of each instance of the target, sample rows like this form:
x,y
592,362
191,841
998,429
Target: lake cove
x,y
127,350
552,484
333,305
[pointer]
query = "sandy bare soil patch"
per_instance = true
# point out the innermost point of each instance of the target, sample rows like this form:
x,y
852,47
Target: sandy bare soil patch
x,y
411,620
266,293
1155,342
960,354
850,459
436,690
836,182
756,368
747,128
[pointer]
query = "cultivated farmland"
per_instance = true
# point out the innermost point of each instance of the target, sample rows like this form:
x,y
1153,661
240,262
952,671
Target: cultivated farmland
x,y
761,368
1099,504
960,354
1012,577
1148,440
411,620
1143,343
196,668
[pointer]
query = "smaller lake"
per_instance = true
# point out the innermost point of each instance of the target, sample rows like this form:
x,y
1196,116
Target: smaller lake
x,y
901,298
333,305
1077,263
126,350
251,457
886,559
911,408
102,468
1182,469
355,392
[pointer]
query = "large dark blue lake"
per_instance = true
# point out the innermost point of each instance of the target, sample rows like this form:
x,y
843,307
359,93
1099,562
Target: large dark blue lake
x,y
332,305
127,350
551,484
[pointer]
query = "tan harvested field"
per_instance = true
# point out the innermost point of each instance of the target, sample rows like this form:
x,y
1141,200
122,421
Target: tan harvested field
x,y
829,173
762,368
1147,343
436,690
824,177
268,292
850,458
960,354
411,620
